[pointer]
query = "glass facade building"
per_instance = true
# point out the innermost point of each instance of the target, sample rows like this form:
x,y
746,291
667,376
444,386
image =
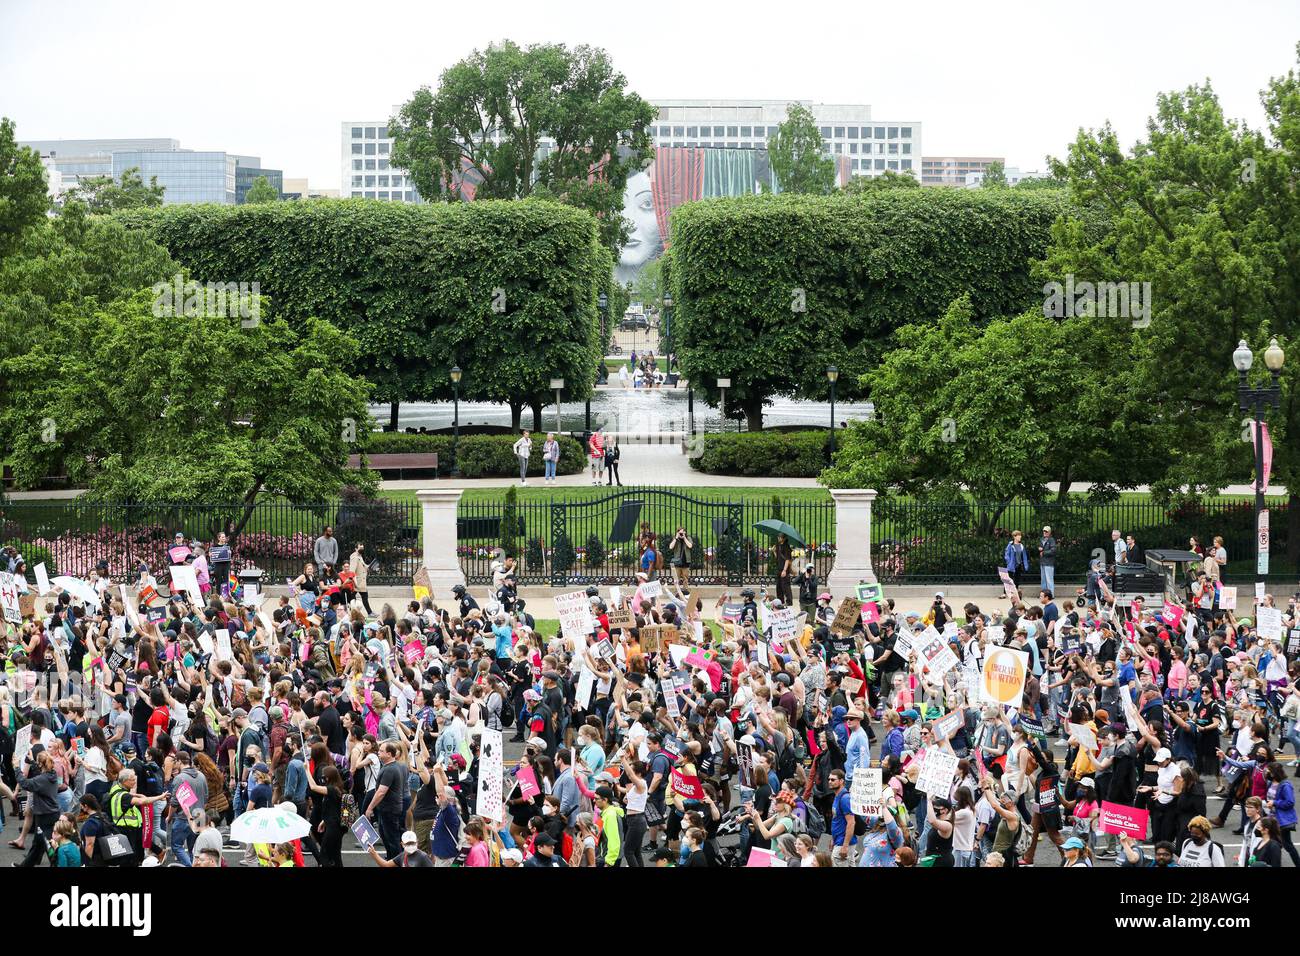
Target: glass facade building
x,y
187,176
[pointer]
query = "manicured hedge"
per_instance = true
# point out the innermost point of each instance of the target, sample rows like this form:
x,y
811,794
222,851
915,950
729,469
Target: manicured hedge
x,y
505,290
481,456
866,264
764,454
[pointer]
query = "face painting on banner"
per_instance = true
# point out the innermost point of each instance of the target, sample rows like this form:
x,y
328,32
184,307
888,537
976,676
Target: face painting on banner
x,y
490,770
935,653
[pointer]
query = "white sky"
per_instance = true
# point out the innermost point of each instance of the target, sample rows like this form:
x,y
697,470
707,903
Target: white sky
x,y
276,79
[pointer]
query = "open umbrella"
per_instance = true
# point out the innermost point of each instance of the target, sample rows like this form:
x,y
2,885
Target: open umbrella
x,y
772,527
268,825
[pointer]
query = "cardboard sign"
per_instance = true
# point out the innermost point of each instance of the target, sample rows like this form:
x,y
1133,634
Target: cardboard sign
x,y
1228,599
205,642
421,585
412,651
847,616
763,655
1009,586
851,685
365,833
224,651
604,649
1071,642
1259,591
686,785
574,611
651,589
186,797
1003,678
586,683
655,636
866,797
1123,821
731,612
27,605
621,617
936,773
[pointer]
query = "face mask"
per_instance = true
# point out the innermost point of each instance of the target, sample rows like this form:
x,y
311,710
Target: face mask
x,y
1236,724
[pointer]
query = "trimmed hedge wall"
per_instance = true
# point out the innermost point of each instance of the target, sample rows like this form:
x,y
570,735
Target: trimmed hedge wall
x,y
481,456
506,290
866,265
763,454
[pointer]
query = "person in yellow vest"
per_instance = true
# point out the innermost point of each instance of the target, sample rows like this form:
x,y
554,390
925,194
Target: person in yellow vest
x,y
282,854
124,810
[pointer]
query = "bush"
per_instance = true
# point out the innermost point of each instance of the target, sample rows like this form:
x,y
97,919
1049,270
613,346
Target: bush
x,y
481,456
786,455
492,456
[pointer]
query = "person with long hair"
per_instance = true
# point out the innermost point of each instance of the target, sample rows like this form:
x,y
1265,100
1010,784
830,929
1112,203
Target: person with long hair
x,y
328,813
1280,800
217,805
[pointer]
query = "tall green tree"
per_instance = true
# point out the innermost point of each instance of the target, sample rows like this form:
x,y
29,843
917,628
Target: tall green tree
x,y
105,194
261,191
995,176
24,197
491,111
136,416
1206,210
798,154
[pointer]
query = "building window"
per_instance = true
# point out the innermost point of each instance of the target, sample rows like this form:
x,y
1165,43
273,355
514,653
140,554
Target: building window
x,y
383,164
370,194
356,164
383,148
907,164
826,132
747,132
356,132
839,132
370,132
356,195
893,164
370,149
370,180
719,131
383,194
356,147
397,180
893,132
356,181
410,195
692,131
733,131
907,148
839,147
679,130
383,180
856,162
880,132
880,164
893,149
853,132
907,132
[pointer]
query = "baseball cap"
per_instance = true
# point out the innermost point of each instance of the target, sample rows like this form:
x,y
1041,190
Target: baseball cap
x,y
1074,843
1088,782
537,742
238,712
1163,754
409,839
543,839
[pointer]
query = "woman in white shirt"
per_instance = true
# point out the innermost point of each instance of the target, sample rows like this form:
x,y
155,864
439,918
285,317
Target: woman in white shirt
x,y
963,835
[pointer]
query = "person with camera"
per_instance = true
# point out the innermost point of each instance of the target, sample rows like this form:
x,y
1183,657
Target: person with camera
x,y
680,553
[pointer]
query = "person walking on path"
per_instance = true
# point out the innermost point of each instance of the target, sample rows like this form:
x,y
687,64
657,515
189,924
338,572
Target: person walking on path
x,y
611,462
596,452
1047,561
360,570
523,448
1016,557
550,455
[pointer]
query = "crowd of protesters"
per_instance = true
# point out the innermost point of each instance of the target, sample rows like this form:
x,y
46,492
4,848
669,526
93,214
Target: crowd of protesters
x,y
139,721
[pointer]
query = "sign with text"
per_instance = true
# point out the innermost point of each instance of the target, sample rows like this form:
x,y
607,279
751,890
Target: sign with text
x,y
490,771
655,636
1003,678
1228,599
1269,622
866,797
9,598
621,617
1122,820
935,653
574,611
651,590
847,616
936,773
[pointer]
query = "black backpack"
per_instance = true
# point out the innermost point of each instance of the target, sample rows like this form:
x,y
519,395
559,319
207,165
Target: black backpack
x,y
151,779
787,761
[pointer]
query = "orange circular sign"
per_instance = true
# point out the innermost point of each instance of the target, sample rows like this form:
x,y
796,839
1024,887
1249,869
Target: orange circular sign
x,y
1005,671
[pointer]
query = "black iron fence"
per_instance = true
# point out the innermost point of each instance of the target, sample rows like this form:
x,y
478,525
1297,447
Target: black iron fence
x,y
563,543
73,536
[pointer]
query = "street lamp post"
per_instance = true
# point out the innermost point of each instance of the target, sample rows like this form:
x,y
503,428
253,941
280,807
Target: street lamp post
x,y
723,385
668,328
832,376
455,421
603,302
1254,400
558,385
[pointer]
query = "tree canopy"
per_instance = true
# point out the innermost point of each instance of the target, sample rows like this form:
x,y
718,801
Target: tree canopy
x,y
24,199
261,191
106,194
797,154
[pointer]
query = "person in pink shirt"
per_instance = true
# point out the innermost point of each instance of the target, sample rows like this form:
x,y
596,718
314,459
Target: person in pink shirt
x,y
1177,682
479,852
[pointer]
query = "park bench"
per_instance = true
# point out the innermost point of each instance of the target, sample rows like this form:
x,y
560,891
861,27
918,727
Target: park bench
x,y
399,463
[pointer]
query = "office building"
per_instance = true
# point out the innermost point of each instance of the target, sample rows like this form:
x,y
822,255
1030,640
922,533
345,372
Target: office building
x,y
366,170
299,188
974,180
952,170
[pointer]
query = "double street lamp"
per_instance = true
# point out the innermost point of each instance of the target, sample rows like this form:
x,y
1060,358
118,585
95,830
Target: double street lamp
x,y
455,421
832,376
1253,400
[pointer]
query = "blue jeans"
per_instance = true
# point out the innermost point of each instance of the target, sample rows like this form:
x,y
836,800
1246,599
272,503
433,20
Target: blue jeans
x,y
964,858
1047,577
550,469
182,838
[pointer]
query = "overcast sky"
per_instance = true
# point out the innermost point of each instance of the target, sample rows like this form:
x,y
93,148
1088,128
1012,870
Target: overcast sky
x,y
275,78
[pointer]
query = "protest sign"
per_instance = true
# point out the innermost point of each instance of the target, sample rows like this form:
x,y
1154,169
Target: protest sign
x,y
604,649
866,795
1071,642
870,592
935,653
763,655
586,681
186,797
1122,820
651,589
527,781
731,612
903,642
574,611
421,585
687,785
185,579
870,613
1228,599
205,642
759,857
1009,585
672,746
42,579
615,596
412,651
1259,591
655,636
1269,622
27,607
949,724
621,617
785,624
490,769
847,616
699,631
670,700
224,651
1003,677
851,685
745,764
365,833
696,659
678,653
1084,735
936,773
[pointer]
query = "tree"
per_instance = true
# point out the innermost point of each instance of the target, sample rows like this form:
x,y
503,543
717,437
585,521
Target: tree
x,y
1205,209
650,285
491,111
995,176
104,194
205,409
24,197
1027,183
261,191
889,179
1017,415
797,154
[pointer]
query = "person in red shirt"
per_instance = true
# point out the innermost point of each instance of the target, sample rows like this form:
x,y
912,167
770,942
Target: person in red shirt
x,y
160,720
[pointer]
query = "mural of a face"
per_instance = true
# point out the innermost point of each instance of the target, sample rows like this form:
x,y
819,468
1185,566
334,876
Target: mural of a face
x,y
643,242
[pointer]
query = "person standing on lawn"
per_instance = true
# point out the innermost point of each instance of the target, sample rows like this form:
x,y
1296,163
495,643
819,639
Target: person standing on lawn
x,y
611,462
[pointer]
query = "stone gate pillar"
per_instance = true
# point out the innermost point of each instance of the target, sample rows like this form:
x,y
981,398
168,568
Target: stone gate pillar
x,y
438,536
852,541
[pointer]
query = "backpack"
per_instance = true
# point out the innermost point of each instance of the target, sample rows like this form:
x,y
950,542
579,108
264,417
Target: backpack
x,y
507,713
151,777
787,762
814,822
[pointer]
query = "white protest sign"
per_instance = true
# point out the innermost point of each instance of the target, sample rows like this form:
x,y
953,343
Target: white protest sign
x,y
490,770
42,579
78,589
651,589
1228,599
670,697
1259,591
184,579
935,653
574,611
224,651
903,643
865,796
205,642
586,681
763,655
9,598
1269,622
1084,735
678,653
615,596
936,773
132,614
785,625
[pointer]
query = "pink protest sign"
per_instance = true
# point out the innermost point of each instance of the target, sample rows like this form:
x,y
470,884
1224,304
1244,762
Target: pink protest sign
x,y
759,857
696,659
870,613
186,797
1124,821
413,651
687,786
1173,615
527,781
